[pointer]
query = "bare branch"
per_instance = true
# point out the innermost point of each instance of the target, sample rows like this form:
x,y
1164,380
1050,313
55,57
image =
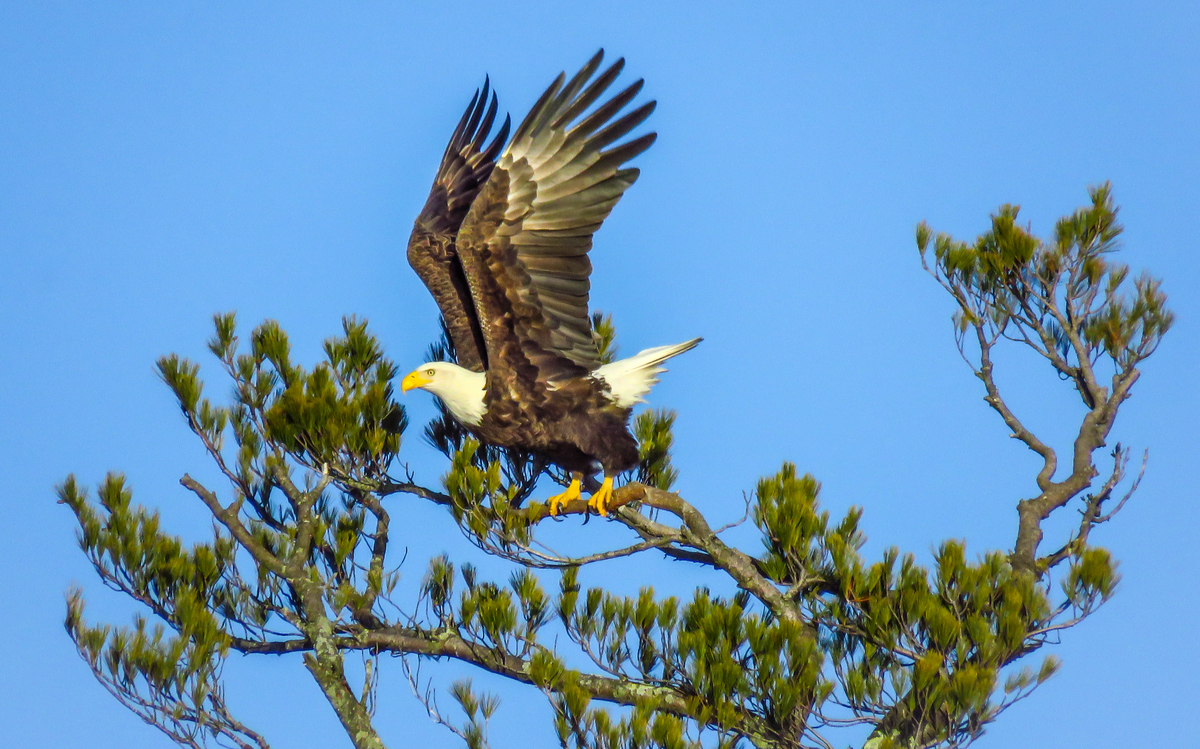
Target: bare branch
x,y
228,517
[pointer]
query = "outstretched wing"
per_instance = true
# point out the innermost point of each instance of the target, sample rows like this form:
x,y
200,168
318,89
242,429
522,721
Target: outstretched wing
x,y
465,168
524,244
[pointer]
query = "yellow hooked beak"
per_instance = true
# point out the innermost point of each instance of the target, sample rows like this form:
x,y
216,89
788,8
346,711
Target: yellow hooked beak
x,y
414,380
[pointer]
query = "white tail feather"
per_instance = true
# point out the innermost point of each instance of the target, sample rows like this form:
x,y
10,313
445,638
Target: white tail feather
x,y
630,379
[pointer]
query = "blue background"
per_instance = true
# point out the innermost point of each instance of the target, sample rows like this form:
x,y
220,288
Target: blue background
x,y
162,162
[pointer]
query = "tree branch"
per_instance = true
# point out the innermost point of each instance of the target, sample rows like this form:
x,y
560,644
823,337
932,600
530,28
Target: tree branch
x,y
228,517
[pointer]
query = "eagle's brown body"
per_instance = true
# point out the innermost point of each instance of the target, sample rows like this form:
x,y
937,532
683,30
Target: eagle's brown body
x,y
502,244
574,427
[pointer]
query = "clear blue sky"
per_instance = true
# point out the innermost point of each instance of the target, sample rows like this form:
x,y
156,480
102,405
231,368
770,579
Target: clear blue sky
x,y
163,161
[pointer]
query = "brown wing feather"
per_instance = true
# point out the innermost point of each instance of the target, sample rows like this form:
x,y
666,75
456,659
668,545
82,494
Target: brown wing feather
x,y
524,244
465,168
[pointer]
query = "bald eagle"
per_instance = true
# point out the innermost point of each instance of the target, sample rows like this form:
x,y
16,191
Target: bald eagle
x,y
502,244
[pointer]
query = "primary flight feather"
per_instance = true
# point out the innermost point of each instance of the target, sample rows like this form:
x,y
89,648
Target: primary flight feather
x,y
502,244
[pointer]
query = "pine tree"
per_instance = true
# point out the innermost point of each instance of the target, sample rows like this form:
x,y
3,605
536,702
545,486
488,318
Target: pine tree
x,y
816,640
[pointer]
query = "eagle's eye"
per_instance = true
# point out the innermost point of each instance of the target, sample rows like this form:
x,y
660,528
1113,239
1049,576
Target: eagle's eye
x,y
429,372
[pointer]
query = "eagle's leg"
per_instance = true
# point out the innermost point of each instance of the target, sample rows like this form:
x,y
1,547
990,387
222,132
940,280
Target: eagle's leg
x,y
601,498
572,492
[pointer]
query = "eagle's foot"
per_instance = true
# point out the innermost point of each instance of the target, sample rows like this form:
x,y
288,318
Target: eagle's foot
x,y
558,500
599,501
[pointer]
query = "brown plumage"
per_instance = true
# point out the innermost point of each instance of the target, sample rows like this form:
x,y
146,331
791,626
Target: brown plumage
x,y
466,166
502,244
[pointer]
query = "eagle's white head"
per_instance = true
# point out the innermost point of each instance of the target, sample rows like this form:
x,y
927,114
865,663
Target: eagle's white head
x,y
460,389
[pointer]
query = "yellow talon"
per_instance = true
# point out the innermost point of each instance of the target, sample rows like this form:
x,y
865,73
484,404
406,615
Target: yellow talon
x,y
599,501
558,500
